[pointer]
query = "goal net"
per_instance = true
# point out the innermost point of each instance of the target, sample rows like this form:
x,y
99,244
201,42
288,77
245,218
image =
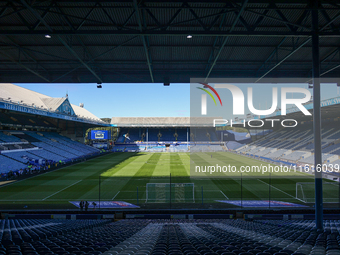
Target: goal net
x,y
305,192
160,193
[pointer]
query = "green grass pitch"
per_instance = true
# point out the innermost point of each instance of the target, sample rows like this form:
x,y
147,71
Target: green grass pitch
x,y
120,174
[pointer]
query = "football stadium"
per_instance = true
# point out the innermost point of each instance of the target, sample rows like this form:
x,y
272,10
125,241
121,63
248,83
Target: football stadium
x,y
209,127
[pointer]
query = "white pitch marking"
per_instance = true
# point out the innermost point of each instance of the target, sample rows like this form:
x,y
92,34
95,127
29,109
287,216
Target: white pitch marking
x,y
55,170
115,195
282,191
224,195
62,189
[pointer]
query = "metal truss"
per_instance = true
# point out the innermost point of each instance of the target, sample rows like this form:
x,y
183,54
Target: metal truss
x,y
286,19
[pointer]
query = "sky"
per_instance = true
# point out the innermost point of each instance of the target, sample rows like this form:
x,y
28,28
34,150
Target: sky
x,y
156,100
123,100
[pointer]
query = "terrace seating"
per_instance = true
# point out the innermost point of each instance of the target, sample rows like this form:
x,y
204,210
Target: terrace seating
x,y
182,134
296,143
152,134
69,143
179,148
276,154
264,152
294,156
158,237
232,145
60,148
8,138
201,135
45,154
18,156
8,164
167,135
57,146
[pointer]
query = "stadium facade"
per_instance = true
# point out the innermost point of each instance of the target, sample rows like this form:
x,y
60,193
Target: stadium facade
x,y
172,134
38,130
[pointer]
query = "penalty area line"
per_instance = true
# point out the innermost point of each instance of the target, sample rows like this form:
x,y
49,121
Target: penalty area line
x,y
62,190
115,195
224,195
282,191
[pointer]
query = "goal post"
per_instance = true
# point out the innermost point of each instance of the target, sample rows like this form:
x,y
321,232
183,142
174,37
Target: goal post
x,y
305,192
160,192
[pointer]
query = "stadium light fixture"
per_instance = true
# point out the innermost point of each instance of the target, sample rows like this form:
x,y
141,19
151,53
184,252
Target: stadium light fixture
x,y
189,36
48,36
99,85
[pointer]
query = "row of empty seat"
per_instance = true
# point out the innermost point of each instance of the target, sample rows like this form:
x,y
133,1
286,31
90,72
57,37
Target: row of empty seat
x,y
169,237
131,135
39,146
172,148
296,145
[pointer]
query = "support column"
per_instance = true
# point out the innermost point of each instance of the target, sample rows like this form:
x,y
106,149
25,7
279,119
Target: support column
x,y
317,117
187,138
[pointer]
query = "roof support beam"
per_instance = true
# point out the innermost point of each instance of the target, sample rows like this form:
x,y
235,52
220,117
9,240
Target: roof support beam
x,y
196,17
152,16
23,66
44,15
226,38
77,17
24,21
172,18
272,54
157,32
214,44
295,29
108,15
285,58
247,45
92,59
87,15
128,19
331,22
291,24
332,54
283,17
69,23
37,15
317,116
161,62
4,9
25,52
328,19
302,17
147,52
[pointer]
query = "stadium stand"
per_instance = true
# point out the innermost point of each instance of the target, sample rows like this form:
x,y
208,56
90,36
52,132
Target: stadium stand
x,y
166,134
48,146
181,134
8,138
232,145
37,101
295,146
169,139
7,164
160,237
